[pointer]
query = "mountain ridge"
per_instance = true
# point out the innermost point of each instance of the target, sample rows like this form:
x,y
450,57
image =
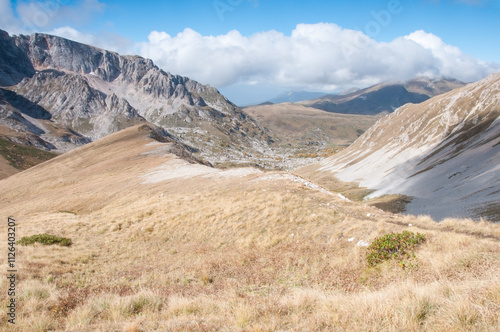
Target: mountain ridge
x,y
440,152
92,92
384,97
293,96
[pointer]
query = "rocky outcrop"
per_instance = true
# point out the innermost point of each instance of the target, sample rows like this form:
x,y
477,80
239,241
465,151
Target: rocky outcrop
x,y
93,93
14,63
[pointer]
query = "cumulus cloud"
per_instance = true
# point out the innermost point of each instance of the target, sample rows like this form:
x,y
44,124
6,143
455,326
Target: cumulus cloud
x,y
36,16
48,16
7,19
315,56
450,61
108,41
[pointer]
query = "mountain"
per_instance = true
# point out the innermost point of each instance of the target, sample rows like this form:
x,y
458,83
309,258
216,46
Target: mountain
x,y
348,91
295,96
433,87
443,152
385,97
61,94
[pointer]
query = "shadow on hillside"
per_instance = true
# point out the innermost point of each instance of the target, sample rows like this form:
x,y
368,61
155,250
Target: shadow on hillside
x,y
24,105
458,178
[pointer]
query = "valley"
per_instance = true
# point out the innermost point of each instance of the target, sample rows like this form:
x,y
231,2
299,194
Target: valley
x,y
237,249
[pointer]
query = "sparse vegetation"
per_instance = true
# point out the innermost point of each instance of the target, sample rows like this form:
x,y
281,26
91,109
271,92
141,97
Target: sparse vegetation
x,y
23,157
398,246
323,153
45,239
391,203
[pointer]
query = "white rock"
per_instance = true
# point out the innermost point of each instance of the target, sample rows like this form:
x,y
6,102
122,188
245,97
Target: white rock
x,y
362,243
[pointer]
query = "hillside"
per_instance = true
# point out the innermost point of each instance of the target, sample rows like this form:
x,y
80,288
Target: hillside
x,y
59,94
300,127
384,97
443,152
15,157
164,243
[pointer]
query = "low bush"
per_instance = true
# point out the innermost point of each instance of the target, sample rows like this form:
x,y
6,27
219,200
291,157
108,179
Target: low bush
x,y
399,246
45,239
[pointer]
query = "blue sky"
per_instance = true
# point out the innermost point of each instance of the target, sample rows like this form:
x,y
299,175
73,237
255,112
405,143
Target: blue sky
x,y
254,49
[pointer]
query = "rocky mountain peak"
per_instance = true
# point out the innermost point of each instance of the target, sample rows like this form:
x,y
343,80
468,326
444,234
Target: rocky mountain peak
x,y
95,92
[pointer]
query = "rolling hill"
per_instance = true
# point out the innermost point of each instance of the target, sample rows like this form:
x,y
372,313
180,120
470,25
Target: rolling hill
x,y
298,126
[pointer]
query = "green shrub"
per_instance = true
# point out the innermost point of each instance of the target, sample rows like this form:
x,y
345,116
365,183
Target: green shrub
x,y
45,239
399,246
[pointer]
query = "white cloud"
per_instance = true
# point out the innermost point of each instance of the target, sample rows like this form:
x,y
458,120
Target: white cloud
x,y
320,56
37,16
7,18
450,61
108,41
315,56
48,16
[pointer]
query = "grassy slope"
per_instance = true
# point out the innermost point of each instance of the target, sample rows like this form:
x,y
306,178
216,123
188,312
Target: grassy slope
x,y
260,253
22,157
297,125
6,169
351,190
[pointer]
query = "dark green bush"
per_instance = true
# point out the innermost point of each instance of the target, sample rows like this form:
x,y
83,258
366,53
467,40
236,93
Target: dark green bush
x,y
399,246
45,239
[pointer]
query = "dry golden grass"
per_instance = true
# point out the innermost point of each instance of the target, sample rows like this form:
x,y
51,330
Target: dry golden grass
x,y
222,253
295,125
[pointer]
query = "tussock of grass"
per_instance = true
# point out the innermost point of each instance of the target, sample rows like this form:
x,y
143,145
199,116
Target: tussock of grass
x,y
398,246
45,239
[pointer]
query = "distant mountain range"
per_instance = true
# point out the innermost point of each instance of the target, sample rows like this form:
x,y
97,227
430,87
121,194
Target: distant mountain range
x,y
58,94
443,152
305,122
385,97
295,96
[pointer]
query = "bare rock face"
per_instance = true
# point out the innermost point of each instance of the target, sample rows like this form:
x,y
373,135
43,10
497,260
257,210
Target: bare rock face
x,y
55,85
15,64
